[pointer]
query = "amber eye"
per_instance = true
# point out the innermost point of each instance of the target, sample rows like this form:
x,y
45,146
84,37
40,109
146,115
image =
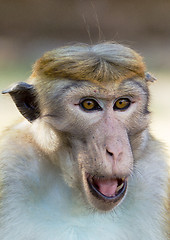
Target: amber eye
x,y
121,104
90,104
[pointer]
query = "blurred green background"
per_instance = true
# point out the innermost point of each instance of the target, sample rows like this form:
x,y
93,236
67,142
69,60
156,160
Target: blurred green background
x,y
28,28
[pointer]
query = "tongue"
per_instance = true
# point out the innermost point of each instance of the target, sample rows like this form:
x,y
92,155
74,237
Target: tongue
x,y
107,187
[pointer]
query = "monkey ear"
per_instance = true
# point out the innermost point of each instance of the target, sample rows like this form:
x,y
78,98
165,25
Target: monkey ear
x,y
24,96
149,77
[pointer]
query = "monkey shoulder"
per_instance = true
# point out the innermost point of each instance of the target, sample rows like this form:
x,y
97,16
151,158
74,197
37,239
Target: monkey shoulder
x,y
24,183
17,144
19,158
148,188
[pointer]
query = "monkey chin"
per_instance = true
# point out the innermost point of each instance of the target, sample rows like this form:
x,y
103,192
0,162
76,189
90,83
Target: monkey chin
x,y
103,193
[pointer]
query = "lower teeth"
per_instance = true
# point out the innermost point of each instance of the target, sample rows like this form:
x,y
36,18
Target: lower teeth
x,y
119,187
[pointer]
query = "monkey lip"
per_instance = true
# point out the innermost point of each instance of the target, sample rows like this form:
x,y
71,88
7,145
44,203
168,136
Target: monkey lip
x,y
107,189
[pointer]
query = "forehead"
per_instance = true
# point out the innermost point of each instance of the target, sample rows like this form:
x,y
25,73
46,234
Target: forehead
x,y
102,90
126,85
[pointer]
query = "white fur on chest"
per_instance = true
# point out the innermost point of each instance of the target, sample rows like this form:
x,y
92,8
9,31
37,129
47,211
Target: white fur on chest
x,y
40,206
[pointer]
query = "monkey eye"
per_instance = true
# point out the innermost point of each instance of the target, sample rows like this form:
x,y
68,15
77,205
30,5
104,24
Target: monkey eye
x,y
90,105
122,104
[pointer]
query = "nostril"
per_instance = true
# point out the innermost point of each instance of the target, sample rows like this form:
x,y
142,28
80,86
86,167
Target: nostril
x,y
110,153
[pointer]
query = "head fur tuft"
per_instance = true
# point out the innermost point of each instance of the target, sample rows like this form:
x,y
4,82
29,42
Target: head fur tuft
x,y
101,62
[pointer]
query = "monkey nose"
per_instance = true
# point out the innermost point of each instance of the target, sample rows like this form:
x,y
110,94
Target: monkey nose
x,y
116,155
108,152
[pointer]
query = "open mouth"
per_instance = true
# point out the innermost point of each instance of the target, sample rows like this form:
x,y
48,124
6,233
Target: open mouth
x,y
112,189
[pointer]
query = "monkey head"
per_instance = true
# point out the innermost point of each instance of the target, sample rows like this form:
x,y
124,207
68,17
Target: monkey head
x,y
89,104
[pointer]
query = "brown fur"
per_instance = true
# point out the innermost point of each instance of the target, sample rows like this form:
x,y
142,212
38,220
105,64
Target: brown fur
x,y
102,62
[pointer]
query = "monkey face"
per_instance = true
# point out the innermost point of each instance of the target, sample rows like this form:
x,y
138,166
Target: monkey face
x,y
97,123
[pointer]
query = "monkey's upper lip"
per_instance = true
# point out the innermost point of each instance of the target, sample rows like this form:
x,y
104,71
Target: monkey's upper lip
x,y
112,189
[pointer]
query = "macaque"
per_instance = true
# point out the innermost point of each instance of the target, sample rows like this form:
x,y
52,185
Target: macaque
x,y
82,164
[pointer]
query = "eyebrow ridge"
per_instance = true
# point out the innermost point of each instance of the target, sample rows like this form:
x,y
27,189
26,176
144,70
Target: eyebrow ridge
x,y
137,83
